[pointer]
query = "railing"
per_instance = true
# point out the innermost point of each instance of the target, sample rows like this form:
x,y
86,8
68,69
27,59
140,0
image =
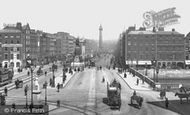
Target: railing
x,y
143,77
170,86
167,86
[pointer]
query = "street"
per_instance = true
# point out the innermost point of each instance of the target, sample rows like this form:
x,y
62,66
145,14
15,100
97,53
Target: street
x,y
85,93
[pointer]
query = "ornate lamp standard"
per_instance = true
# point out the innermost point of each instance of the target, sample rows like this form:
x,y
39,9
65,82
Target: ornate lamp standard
x,y
53,69
45,92
29,64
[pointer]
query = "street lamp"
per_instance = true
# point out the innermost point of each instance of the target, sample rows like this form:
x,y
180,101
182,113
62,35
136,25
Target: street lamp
x,y
145,69
29,64
25,91
45,92
53,67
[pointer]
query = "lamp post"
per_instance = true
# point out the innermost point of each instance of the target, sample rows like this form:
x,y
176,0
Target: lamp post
x,y
25,91
45,92
29,64
53,85
53,69
146,69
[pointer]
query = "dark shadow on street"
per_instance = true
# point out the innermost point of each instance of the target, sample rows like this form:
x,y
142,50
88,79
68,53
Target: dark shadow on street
x,y
174,105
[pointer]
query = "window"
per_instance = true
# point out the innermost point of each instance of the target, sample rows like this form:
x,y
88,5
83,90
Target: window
x,y
6,48
5,41
18,49
11,41
6,56
17,64
27,42
11,49
6,65
27,31
17,36
129,43
27,37
11,56
18,56
17,41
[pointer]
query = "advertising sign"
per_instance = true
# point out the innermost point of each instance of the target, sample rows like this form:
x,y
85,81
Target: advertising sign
x,y
160,19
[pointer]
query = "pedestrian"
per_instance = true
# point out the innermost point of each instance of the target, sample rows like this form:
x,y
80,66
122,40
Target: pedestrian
x,y
166,102
28,73
134,93
45,73
137,81
58,86
50,82
6,91
78,69
125,75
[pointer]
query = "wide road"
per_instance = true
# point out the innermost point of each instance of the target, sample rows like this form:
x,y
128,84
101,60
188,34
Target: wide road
x,y
84,94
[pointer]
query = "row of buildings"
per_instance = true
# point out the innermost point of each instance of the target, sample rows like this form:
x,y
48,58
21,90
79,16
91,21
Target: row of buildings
x,y
17,41
169,49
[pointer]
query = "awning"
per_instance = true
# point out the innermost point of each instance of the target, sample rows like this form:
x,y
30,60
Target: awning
x,y
187,62
139,62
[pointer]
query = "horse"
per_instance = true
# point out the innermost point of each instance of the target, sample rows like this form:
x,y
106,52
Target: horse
x,y
162,94
138,100
182,95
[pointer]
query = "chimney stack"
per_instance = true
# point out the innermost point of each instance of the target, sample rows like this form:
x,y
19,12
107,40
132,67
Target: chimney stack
x,y
19,25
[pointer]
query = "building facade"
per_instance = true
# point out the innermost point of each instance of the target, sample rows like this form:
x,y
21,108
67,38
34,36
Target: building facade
x,y
166,47
11,46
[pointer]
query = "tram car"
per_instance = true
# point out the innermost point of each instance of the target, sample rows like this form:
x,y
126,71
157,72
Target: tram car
x,y
6,76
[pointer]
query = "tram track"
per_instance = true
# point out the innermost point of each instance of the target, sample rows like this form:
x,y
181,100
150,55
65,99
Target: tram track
x,y
24,78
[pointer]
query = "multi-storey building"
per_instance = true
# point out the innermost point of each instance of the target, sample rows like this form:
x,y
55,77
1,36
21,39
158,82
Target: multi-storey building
x,y
71,45
67,43
166,47
187,50
11,42
44,50
58,47
34,46
170,48
17,42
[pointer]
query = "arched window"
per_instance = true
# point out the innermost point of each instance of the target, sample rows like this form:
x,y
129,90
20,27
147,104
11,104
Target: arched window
x,y
17,64
12,64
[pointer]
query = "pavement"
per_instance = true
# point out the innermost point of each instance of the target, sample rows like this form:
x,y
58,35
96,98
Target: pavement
x,y
59,79
132,82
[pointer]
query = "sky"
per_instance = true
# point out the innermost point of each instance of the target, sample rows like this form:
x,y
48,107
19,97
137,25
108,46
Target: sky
x,y
81,18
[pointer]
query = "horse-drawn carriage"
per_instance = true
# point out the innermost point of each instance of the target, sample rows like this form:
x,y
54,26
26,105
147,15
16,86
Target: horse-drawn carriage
x,y
40,71
114,95
136,100
18,83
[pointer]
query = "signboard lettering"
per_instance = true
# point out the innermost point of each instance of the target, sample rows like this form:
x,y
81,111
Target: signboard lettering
x,y
160,19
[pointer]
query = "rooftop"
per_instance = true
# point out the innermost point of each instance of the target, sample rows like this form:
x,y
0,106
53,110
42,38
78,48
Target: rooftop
x,y
157,32
141,32
167,32
10,31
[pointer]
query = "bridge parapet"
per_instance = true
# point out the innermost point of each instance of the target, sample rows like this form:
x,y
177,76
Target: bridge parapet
x,y
143,77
